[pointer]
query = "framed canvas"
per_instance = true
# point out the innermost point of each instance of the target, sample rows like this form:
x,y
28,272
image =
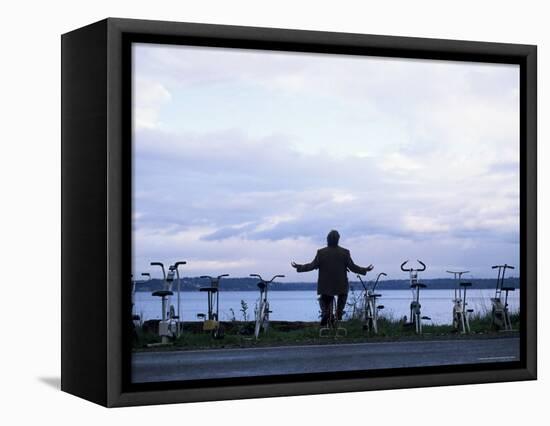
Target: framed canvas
x,y
254,212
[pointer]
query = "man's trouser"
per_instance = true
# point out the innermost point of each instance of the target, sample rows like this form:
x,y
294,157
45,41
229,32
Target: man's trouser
x,y
325,303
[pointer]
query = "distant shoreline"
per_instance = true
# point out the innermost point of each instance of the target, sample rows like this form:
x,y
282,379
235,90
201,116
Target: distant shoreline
x,y
251,290
250,284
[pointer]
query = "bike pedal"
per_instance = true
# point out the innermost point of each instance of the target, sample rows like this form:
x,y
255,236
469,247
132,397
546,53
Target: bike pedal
x,y
341,332
324,332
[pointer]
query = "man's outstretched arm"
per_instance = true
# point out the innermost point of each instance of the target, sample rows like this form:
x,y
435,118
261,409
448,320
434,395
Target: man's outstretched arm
x,y
306,267
358,269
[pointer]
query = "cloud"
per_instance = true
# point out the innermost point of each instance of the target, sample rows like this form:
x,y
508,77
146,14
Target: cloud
x,y
148,97
214,181
245,161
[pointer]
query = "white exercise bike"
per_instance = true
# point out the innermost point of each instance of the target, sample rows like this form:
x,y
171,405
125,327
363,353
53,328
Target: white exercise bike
x,y
370,306
262,310
461,314
416,317
500,312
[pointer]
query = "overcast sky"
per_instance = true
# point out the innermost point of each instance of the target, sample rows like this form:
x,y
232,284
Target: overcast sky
x,y
244,160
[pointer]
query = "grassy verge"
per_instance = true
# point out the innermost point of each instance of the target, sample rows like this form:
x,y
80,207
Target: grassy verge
x,y
239,334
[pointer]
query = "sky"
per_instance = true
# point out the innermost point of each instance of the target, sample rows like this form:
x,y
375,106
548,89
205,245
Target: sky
x,y
244,160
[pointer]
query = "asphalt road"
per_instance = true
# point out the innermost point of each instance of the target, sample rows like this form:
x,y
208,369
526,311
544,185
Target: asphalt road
x,y
219,363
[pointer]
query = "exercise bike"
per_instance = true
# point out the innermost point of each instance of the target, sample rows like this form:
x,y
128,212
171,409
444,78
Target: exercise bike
x,y
175,268
261,310
212,319
333,328
416,317
136,318
500,313
168,323
370,307
461,315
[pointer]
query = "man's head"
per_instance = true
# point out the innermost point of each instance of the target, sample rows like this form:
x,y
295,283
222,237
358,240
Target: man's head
x,y
332,238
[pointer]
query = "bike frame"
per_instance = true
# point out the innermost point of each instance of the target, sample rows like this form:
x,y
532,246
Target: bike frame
x,y
262,309
175,267
500,310
460,313
165,325
416,314
212,319
214,283
370,314
134,283
165,286
333,323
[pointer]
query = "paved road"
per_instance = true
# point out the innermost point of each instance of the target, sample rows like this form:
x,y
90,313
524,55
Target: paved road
x,y
218,363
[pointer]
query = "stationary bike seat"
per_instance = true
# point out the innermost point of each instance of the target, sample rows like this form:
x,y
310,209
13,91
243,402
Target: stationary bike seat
x,y
419,285
162,293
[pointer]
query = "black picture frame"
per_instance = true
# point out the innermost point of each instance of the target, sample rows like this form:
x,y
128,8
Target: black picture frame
x,y
96,209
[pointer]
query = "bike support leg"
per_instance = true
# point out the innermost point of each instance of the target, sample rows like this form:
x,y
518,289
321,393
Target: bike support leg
x,y
418,316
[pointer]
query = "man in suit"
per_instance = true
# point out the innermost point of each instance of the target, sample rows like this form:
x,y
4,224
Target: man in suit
x,y
333,263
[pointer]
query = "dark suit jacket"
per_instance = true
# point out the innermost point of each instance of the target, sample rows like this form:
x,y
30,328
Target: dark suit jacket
x,y
333,264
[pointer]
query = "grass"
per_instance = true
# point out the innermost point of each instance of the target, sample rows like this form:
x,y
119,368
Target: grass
x,y
239,334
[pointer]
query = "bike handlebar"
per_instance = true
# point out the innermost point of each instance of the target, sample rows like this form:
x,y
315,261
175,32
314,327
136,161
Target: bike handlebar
x,y
362,282
161,266
175,265
503,266
212,279
412,269
264,281
377,278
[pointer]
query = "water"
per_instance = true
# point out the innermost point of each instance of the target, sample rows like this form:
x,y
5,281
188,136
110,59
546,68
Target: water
x,y
303,305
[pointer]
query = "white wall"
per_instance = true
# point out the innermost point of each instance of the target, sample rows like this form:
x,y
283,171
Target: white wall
x,y
30,242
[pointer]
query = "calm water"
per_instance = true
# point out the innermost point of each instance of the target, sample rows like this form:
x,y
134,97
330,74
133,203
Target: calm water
x,y
303,305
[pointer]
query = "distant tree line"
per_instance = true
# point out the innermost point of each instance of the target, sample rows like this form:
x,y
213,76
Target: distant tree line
x,y
250,284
